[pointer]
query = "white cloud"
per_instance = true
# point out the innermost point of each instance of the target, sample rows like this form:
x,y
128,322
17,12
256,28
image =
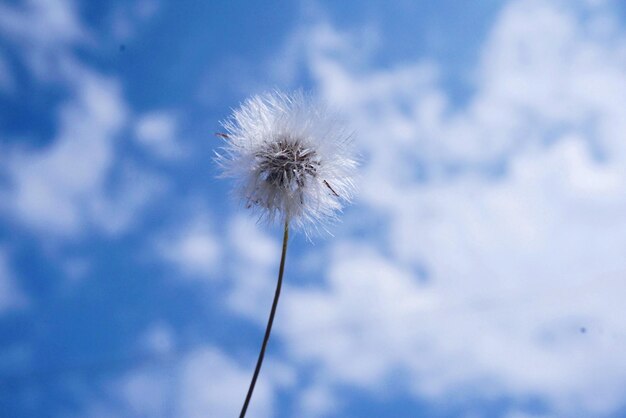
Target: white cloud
x,y
253,265
117,209
146,392
146,9
77,182
316,401
157,132
524,415
128,17
204,382
11,297
517,260
76,268
213,386
7,82
351,321
158,339
194,249
62,188
43,22
41,32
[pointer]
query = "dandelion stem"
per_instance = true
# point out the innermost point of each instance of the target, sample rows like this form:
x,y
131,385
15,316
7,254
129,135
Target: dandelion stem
x,y
270,321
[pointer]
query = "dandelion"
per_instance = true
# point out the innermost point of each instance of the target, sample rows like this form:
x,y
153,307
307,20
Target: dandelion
x,y
290,158
291,161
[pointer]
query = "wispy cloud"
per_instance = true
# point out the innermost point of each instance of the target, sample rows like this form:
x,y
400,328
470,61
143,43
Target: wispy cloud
x,y
198,383
483,259
7,81
192,248
504,218
42,33
11,297
251,264
77,182
157,133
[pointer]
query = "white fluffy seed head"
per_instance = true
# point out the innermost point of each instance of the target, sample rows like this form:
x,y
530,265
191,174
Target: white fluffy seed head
x,y
291,159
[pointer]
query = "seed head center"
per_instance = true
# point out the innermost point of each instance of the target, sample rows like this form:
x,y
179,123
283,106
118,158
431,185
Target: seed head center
x,y
287,164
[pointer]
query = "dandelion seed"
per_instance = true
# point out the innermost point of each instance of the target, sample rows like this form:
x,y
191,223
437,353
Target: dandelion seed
x,y
291,161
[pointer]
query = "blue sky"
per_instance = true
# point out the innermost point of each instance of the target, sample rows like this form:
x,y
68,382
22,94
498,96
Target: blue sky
x,y
479,273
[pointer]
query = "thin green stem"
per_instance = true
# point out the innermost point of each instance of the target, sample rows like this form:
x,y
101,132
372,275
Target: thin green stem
x,y
270,321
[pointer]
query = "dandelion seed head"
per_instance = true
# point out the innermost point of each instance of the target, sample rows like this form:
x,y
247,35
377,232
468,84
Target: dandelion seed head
x,y
291,159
